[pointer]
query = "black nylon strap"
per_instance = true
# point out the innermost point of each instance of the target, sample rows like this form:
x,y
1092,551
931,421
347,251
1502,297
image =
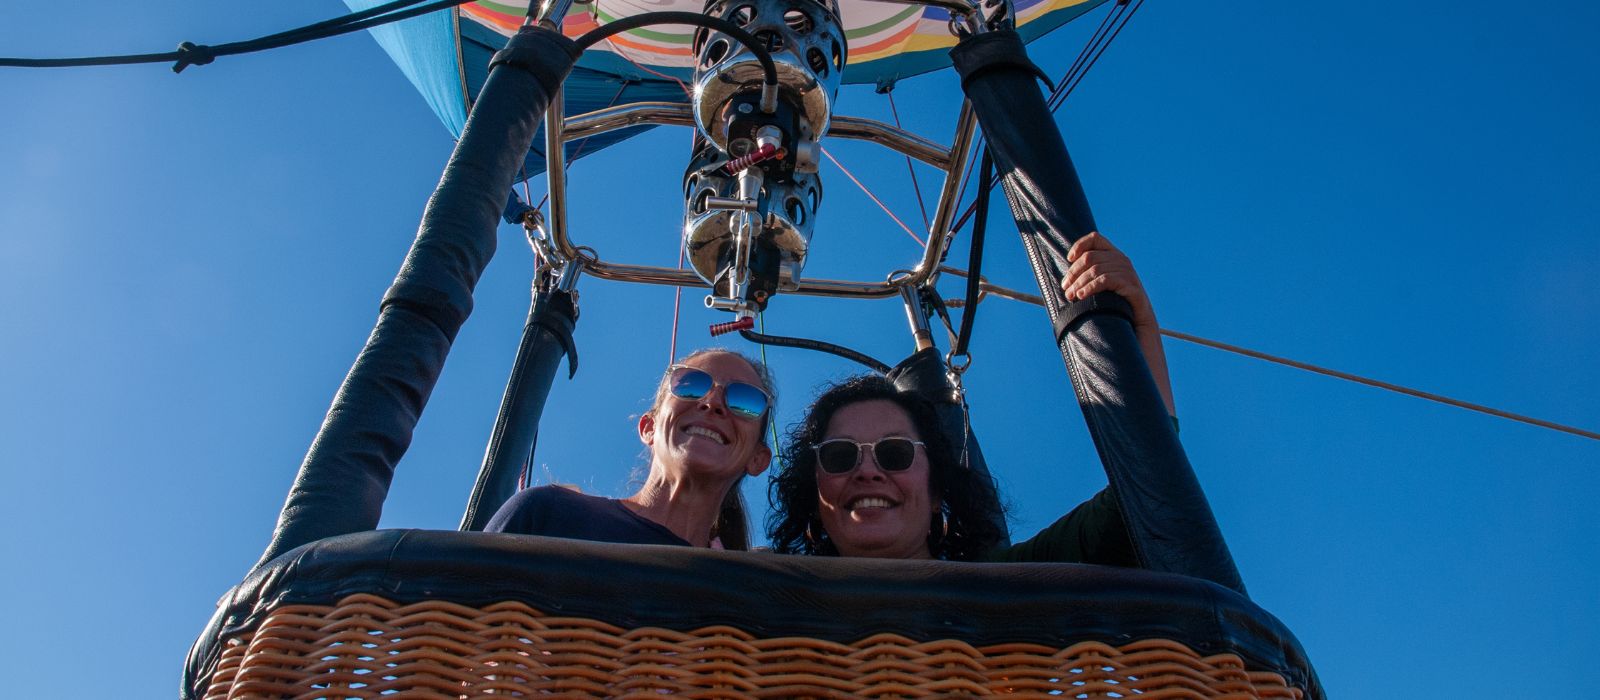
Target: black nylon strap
x,y
994,51
559,318
536,58
1102,303
975,261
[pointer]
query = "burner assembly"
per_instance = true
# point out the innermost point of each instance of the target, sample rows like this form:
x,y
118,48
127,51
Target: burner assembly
x,y
751,189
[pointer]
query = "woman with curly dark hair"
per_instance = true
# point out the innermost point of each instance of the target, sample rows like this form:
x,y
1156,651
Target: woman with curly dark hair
x,y
914,498
870,473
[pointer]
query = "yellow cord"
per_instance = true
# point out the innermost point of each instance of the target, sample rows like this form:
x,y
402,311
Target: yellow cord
x,y
772,421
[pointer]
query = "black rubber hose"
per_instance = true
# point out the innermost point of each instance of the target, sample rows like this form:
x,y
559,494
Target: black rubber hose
x,y
768,68
809,344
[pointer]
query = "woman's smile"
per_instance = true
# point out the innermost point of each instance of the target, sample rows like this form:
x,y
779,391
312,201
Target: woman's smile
x,y
869,511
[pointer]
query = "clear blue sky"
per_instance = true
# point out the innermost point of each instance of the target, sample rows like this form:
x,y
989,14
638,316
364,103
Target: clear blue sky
x,y
1403,190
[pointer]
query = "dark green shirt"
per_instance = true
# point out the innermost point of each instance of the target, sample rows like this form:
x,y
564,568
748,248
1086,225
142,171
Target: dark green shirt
x,y
1093,533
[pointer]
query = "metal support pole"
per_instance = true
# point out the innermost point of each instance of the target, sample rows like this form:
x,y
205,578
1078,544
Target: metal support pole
x,y
552,12
600,121
555,158
918,318
945,212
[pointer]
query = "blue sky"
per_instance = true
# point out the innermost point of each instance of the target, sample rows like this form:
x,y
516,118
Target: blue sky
x,y
1401,190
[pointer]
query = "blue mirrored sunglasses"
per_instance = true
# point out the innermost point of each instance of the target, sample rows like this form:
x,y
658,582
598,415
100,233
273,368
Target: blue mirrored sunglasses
x,y
744,400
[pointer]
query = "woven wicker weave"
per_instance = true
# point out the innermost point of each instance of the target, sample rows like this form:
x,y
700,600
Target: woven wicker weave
x,y
368,647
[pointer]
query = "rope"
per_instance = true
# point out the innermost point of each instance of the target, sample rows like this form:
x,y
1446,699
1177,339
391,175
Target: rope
x,y
910,169
978,146
874,197
677,290
1396,388
527,192
1315,369
677,306
1088,46
772,425
566,164
1116,19
585,142
617,49
1065,90
192,54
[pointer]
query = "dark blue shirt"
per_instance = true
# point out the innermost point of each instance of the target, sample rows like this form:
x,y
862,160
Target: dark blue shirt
x,y
553,511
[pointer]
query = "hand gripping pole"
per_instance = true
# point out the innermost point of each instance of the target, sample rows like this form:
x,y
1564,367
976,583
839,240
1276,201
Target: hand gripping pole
x,y
1167,515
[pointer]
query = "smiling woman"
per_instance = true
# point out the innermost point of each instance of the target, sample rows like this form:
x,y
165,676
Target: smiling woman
x,y
873,490
869,473
879,504
704,433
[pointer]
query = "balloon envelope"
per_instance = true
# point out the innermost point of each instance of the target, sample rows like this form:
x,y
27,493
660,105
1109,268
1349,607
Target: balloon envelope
x,y
446,54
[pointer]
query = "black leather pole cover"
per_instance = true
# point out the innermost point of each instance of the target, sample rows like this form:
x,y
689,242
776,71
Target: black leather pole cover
x,y
345,477
545,339
1167,514
924,374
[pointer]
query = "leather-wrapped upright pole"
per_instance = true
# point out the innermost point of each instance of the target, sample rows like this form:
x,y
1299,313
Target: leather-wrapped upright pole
x,y
546,338
345,477
1167,515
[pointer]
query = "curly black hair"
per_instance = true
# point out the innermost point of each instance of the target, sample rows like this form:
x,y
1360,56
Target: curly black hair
x,y
969,504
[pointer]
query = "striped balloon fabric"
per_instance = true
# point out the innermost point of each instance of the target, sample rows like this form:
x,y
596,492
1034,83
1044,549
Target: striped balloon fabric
x,y
888,41
446,54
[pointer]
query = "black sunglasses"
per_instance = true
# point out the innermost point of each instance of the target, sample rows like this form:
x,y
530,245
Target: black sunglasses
x,y
840,455
744,400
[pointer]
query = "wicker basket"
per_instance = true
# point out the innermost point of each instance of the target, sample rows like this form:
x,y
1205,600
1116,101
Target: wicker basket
x,y
365,645
369,647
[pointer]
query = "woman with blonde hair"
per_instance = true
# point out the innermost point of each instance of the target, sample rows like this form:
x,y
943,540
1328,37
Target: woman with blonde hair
x,y
704,432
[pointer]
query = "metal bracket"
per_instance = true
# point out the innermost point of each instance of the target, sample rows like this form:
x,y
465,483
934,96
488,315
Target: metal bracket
x,y
917,316
953,161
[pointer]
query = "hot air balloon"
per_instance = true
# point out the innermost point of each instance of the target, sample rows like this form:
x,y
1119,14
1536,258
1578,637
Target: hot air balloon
x,y
335,609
